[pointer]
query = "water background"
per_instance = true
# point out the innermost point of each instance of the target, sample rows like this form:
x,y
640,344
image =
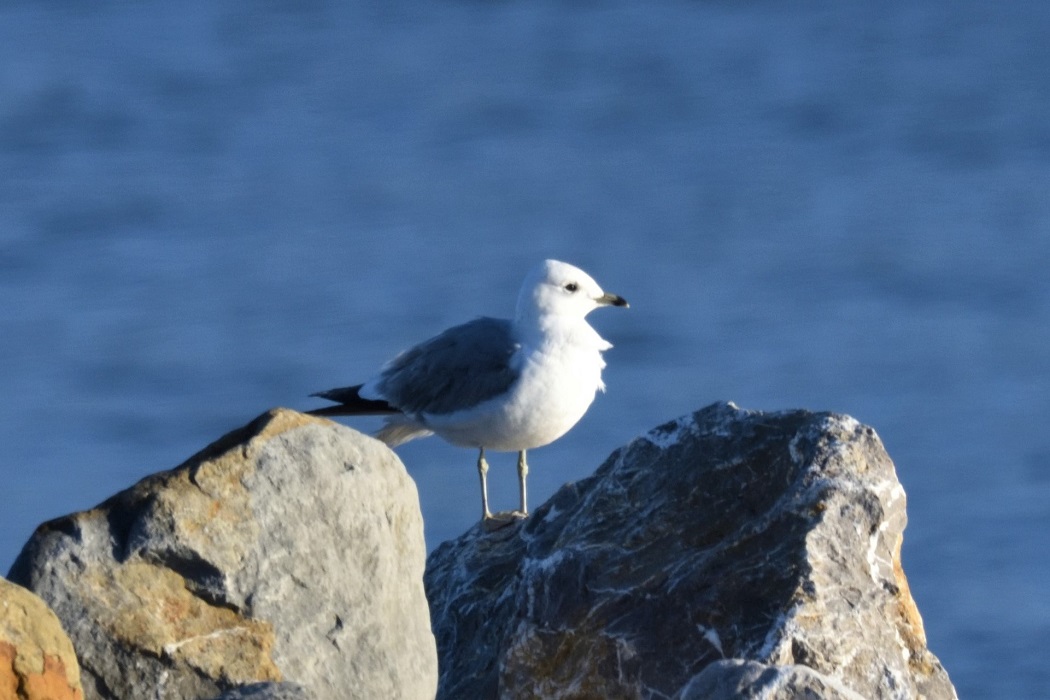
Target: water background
x,y
210,209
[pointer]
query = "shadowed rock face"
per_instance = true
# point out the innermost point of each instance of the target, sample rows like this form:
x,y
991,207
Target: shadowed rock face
x,y
289,550
727,554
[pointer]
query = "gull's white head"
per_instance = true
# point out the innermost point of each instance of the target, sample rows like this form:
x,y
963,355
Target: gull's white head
x,y
554,288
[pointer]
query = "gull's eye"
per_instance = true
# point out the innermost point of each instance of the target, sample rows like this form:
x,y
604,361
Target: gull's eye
x,y
572,287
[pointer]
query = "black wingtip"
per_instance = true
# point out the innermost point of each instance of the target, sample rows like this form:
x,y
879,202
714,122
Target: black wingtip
x,y
350,403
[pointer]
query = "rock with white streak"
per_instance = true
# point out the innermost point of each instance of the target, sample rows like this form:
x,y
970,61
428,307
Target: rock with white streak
x,y
290,550
728,554
731,679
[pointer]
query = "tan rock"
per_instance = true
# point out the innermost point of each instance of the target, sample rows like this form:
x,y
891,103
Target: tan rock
x,y
36,657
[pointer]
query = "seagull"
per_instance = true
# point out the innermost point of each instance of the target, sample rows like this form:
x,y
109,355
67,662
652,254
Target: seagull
x,y
491,383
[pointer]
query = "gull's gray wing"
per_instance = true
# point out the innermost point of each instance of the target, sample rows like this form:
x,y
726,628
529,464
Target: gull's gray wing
x,y
453,371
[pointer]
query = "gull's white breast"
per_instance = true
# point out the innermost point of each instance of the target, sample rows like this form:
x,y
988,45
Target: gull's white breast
x,y
557,384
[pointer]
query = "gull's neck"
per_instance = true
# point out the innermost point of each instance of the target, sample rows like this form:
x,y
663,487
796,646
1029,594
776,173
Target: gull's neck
x,y
540,330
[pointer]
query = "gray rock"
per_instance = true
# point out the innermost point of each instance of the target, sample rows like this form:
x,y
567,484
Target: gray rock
x,y
291,549
735,679
731,553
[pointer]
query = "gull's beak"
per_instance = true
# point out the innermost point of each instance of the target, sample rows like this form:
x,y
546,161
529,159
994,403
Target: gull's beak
x,y
611,300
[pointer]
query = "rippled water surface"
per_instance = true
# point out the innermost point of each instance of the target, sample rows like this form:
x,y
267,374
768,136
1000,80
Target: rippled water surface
x,y
209,209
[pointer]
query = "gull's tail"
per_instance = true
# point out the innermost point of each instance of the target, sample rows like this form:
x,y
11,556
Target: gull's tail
x,y
350,403
399,428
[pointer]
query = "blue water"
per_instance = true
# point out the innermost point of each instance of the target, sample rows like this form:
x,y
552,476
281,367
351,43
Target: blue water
x,y
210,209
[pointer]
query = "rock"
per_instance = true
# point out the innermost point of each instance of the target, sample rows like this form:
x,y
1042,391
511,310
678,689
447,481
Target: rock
x,y
36,657
731,679
267,691
730,553
290,550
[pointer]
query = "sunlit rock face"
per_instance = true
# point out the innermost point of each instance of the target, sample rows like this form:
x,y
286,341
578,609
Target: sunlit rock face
x,y
284,560
730,553
37,661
